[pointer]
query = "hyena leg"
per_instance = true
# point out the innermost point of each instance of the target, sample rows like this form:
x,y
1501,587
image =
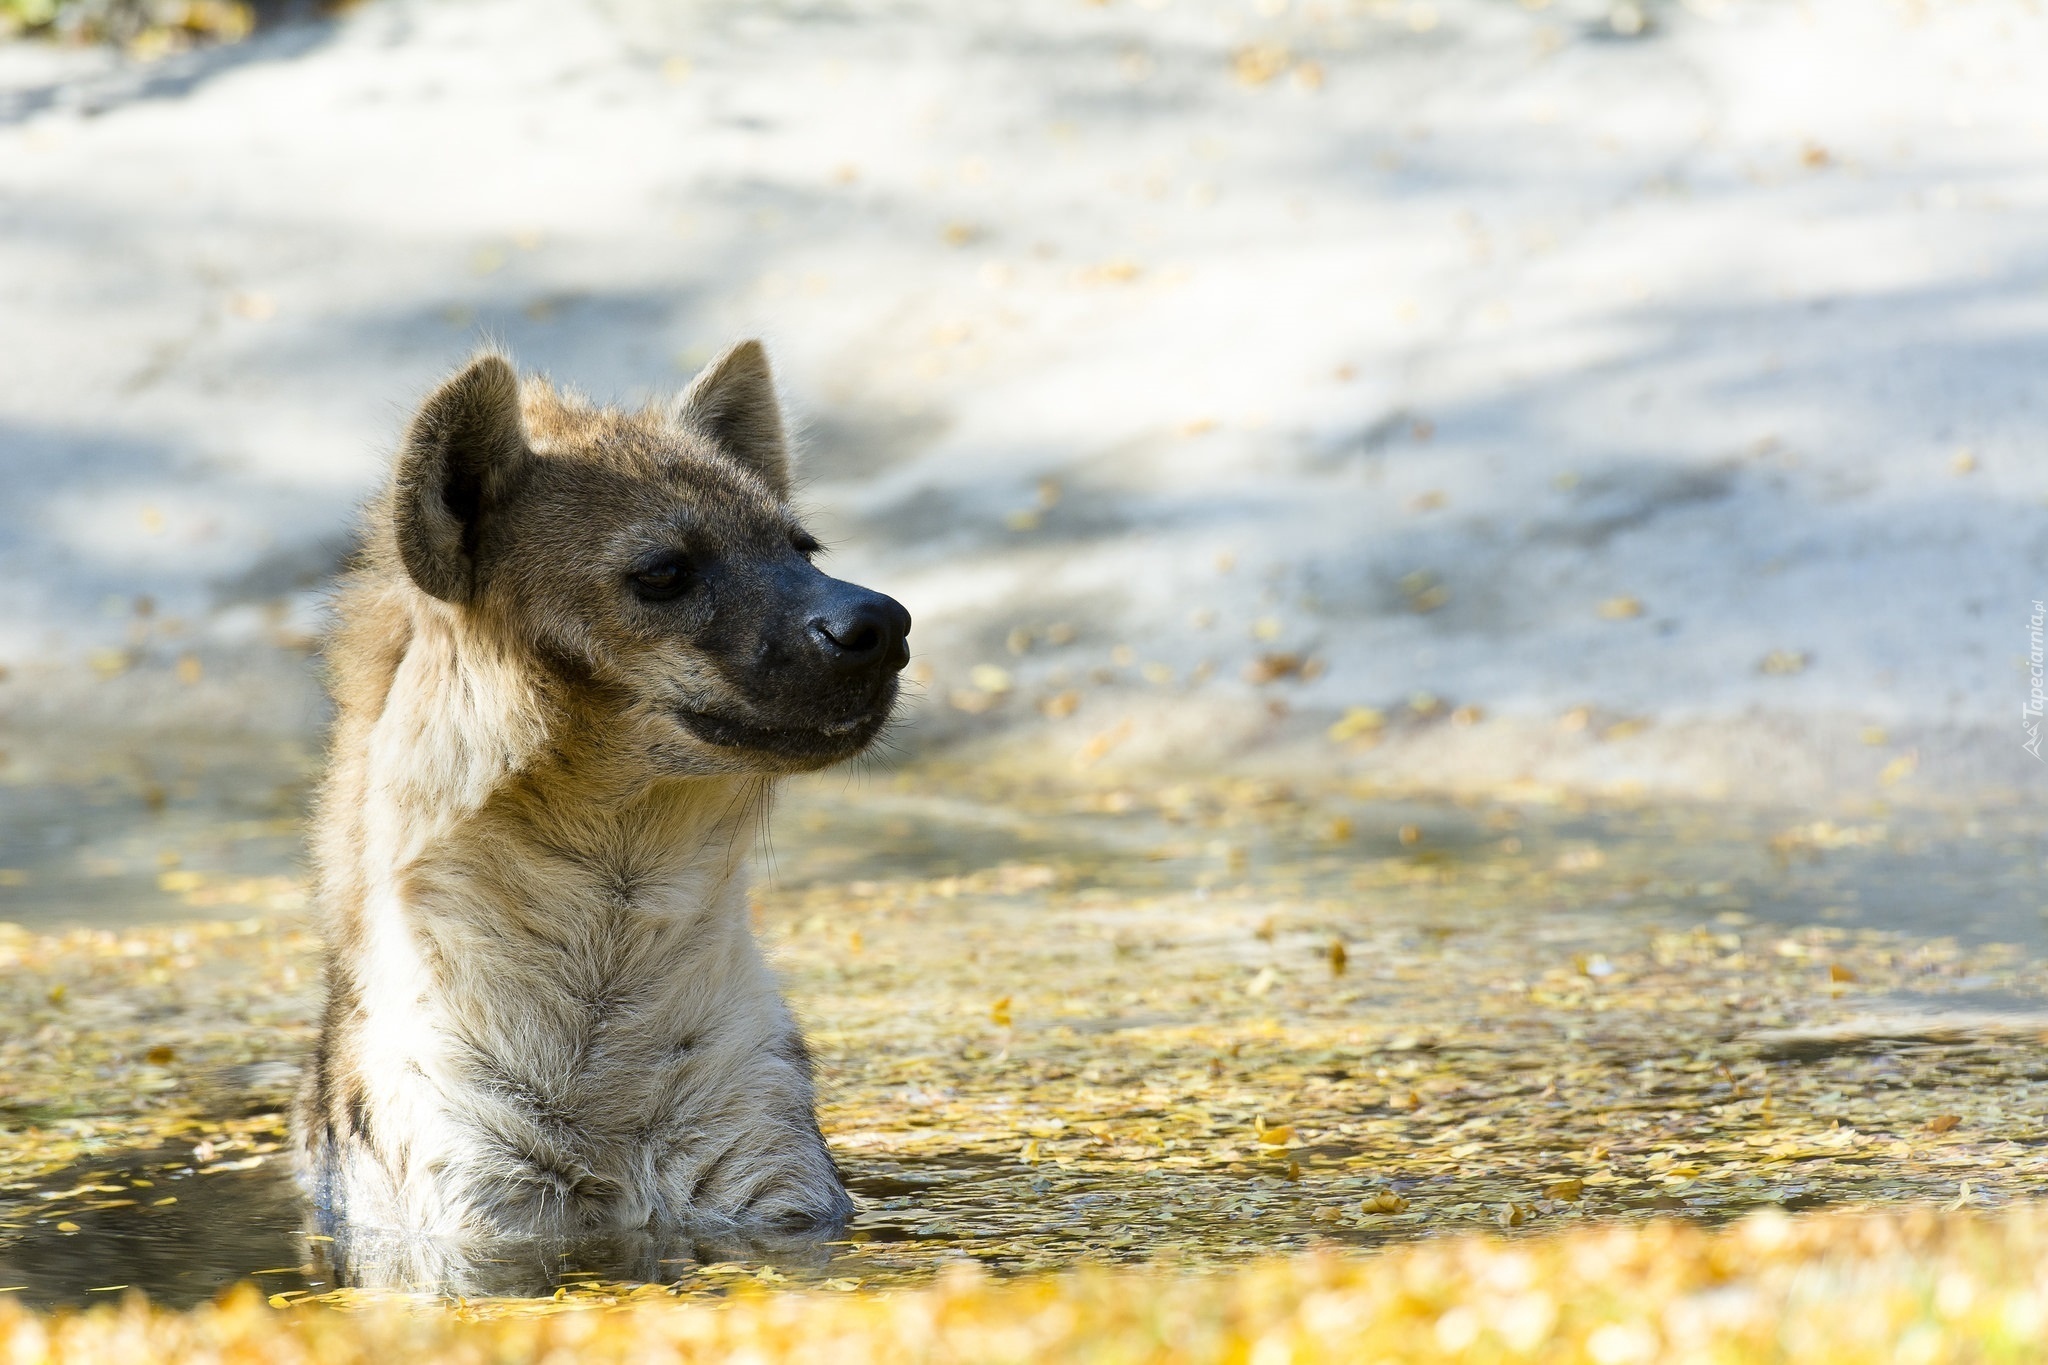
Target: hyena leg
x,y
751,1153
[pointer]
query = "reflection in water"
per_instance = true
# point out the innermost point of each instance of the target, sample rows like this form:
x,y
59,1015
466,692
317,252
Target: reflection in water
x,y
368,1258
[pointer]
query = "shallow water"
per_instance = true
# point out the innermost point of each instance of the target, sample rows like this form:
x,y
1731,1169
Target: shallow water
x,y
1167,954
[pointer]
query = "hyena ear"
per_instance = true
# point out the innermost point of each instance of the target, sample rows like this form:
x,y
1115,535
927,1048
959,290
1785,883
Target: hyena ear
x,y
732,400
464,454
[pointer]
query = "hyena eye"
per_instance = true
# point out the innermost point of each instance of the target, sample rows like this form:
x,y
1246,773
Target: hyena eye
x,y
804,543
662,578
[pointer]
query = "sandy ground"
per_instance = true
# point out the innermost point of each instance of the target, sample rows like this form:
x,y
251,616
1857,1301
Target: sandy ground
x,y
1488,351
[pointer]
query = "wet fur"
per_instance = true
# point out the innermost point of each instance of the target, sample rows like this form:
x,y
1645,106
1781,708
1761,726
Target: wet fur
x,y
547,1015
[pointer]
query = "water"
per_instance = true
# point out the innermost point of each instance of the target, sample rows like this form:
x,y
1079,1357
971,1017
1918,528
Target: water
x,y
1466,1051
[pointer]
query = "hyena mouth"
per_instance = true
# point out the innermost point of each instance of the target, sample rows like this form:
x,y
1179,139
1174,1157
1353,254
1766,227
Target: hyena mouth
x,y
815,740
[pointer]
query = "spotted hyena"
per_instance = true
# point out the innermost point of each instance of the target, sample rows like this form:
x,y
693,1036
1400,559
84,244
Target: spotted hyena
x,y
578,649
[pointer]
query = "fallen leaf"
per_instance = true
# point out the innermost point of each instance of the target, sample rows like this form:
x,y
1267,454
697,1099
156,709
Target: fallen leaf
x,y
1621,608
1357,723
1273,667
1060,705
1258,64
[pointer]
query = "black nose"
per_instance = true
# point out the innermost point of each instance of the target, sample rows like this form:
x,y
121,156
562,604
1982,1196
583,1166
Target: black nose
x,y
861,630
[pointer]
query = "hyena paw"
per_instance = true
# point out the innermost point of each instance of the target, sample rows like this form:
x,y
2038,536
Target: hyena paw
x,y
787,1182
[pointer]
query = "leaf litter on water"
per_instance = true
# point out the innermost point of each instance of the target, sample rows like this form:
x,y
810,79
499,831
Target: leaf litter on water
x,y
1090,1059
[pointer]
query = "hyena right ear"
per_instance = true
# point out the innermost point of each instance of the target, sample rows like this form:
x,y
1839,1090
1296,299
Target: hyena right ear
x,y
464,454
732,400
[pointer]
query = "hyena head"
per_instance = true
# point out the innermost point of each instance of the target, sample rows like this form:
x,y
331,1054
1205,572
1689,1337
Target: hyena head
x,y
651,562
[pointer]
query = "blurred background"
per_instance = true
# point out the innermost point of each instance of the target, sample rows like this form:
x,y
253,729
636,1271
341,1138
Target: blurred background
x,y
1640,397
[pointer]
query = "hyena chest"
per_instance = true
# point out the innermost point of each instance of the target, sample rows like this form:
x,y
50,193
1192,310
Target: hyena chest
x,y
587,1053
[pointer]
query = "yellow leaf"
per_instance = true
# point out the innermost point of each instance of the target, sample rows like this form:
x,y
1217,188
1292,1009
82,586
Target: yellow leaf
x,y
1621,608
1258,64
1060,705
1940,1123
1357,723
1569,1190
1000,1012
1278,1136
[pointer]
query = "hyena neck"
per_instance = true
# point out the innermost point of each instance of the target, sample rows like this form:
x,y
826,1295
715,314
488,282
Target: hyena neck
x,y
478,753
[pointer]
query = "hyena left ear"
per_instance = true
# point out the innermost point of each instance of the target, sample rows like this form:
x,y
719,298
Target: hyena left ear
x,y
732,400
464,454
